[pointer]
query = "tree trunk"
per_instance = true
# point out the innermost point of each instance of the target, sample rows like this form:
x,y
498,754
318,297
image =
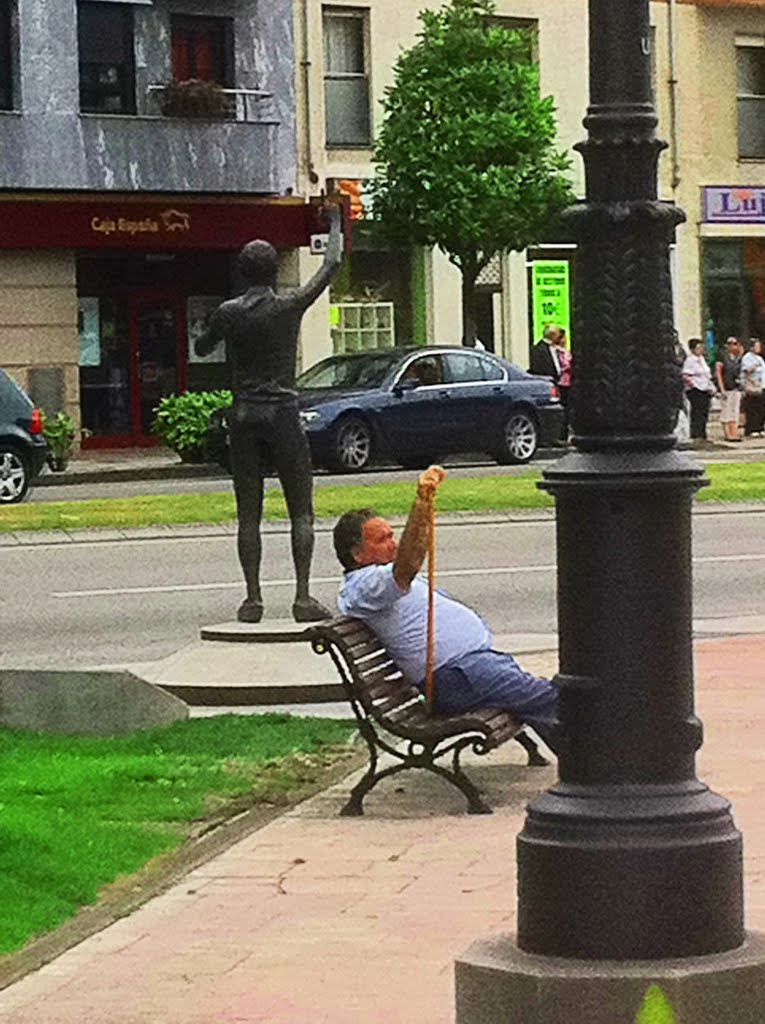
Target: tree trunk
x,y
469,314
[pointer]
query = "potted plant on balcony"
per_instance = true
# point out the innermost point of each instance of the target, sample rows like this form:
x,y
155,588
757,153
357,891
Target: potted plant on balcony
x,y
194,98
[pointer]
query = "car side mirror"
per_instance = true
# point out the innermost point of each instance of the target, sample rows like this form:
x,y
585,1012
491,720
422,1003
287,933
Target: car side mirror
x,y
406,385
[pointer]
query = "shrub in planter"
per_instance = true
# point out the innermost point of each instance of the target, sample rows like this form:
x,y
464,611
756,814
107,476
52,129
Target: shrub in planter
x,y
182,420
194,98
58,432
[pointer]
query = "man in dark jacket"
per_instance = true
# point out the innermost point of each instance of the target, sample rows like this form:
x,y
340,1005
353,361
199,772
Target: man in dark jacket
x,y
544,357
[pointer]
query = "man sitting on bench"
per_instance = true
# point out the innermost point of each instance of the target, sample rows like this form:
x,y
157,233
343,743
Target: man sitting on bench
x,y
382,588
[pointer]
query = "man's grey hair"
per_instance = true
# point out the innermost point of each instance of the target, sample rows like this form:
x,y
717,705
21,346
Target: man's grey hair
x,y
551,332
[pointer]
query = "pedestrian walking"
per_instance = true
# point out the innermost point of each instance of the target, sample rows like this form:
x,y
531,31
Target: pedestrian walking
x,y
728,374
697,378
564,380
753,381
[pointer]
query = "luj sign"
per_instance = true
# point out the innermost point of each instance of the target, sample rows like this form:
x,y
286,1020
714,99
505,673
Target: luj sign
x,y
733,204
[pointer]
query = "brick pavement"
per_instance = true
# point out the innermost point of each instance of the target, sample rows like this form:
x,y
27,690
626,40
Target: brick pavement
x,y
321,919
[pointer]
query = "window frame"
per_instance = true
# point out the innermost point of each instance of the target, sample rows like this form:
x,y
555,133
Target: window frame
x,y
127,88
361,15
8,53
748,43
222,25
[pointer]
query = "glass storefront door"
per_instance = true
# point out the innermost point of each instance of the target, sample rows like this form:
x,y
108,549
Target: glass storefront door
x,y
157,333
131,356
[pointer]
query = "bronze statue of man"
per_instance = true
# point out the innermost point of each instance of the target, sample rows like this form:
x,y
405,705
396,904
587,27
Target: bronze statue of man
x,y
260,329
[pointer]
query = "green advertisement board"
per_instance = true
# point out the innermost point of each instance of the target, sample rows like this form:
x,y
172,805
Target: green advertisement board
x,y
550,295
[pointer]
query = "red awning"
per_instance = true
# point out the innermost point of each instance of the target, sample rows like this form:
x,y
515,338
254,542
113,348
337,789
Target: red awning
x,y
166,223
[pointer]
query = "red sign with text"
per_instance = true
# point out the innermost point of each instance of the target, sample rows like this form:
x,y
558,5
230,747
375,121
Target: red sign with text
x,y
170,224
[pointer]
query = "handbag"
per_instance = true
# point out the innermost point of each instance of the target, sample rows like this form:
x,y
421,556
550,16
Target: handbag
x,y
751,386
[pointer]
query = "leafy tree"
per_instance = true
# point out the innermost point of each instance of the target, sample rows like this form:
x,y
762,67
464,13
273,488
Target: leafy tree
x,y
466,156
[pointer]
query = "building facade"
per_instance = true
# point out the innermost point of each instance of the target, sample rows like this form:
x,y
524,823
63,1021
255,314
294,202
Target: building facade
x,y
125,194
141,144
709,75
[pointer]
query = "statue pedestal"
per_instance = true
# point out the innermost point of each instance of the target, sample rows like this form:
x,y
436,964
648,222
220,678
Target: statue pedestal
x,y
238,664
496,983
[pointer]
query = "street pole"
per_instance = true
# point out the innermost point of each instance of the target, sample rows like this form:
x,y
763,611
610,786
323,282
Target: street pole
x,y
629,867
629,856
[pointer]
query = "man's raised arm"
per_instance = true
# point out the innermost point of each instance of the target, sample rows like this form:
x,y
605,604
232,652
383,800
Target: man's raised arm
x,y
414,541
333,257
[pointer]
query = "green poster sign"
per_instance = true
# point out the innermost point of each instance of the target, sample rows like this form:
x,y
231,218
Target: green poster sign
x,y
551,295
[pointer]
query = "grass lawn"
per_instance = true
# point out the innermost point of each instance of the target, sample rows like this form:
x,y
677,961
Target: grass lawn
x,y
729,482
78,812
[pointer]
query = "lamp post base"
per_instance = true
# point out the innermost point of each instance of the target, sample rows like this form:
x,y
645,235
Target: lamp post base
x,y
497,983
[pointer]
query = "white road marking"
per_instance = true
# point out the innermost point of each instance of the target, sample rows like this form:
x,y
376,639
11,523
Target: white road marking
x,y
514,570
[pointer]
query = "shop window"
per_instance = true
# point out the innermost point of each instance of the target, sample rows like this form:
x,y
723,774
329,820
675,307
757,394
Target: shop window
x,y
202,48
6,56
346,78
107,66
750,61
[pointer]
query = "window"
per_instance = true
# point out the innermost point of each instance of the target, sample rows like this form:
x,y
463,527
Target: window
x,y
6,56
346,79
750,61
107,67
463,368
202,48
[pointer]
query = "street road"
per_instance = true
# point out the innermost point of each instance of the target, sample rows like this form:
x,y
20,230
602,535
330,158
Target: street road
x,y
69,605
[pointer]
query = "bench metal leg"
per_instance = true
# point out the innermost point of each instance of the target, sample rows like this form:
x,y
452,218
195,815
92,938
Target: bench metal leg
x,y
476,804
536,758
355,806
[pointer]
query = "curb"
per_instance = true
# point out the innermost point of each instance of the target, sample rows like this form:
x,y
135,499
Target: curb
x,y
187,531
171,471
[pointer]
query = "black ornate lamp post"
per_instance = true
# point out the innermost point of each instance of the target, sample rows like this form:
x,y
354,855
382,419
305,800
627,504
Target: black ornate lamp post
x,y
629,856
628,861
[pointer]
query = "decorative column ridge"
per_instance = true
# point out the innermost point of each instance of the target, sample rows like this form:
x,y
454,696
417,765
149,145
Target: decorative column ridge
x,y
629,856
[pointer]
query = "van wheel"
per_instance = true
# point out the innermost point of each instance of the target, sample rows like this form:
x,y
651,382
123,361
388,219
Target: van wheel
x,y
14,473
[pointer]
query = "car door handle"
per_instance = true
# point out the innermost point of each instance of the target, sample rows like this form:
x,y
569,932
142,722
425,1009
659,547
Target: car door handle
x,y
443,394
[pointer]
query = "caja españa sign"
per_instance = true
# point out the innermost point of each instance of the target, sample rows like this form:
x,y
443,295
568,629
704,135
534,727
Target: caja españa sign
x,y
122,222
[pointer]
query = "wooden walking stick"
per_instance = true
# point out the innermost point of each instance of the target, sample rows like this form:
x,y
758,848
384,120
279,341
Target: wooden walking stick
x,y
430,648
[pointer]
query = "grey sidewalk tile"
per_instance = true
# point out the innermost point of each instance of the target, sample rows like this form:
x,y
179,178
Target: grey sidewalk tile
x,y
145,532
88,534
9,540
43,537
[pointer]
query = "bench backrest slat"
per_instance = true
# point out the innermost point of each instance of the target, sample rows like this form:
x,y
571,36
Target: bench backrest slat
x,y
387,696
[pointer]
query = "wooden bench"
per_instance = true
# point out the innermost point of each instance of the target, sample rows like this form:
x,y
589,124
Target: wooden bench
x,y
383,701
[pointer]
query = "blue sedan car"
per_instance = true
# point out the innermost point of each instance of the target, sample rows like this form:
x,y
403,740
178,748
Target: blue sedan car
x,y
413,406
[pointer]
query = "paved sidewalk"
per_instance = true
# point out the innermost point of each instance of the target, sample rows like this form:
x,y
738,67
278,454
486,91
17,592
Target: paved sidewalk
x,y
316,919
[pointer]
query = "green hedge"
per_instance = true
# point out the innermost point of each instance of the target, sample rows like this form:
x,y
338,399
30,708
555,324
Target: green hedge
x,y
181,420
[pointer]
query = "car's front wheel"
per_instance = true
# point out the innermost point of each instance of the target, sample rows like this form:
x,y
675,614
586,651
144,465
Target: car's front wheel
x,y
14,474
352,446
520,438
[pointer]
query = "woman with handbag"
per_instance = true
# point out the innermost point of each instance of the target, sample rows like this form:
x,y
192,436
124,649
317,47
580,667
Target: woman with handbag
x,y
697,378
753,380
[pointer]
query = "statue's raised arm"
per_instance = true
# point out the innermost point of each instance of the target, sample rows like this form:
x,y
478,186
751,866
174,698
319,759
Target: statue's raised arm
x,y
261,329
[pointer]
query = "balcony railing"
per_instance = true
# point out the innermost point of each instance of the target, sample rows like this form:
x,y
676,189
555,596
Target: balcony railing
x,y
239,104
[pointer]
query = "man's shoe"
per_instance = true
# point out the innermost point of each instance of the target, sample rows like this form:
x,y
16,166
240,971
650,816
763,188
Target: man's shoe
x,y
310,610
250,611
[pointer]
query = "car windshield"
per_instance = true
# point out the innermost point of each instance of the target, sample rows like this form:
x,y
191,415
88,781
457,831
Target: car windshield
x,y
357,371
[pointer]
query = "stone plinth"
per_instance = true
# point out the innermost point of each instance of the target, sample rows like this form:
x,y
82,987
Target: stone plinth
x,y
496,983
238,664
